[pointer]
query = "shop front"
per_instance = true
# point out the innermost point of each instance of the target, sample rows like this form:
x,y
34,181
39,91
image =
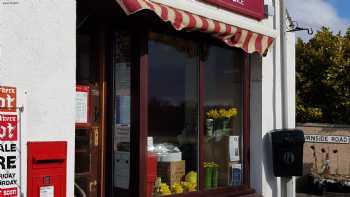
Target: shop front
x,y
172,98
169,97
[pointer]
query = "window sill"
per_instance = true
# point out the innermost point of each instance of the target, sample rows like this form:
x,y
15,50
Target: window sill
x,y
242,191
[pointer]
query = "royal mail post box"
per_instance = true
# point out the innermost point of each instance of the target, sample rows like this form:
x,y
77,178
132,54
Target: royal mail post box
x,y
287,152
47,166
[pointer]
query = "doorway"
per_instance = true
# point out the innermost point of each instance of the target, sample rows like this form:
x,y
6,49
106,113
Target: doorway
x,y
90,117
103,148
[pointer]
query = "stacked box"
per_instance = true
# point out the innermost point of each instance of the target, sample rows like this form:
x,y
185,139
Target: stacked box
x,y
171,172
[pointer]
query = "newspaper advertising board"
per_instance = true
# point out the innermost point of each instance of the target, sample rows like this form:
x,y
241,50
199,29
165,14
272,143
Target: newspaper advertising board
x,y
9,143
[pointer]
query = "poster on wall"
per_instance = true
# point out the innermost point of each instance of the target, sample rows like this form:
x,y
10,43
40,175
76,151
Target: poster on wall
x,y
123,109
122,137
9,143
122,169
123,77
122,156
82,104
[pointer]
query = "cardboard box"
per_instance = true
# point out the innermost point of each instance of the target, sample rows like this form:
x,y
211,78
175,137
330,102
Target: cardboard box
x,y
171,172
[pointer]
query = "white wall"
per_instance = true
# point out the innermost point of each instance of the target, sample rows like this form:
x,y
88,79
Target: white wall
x,y
37,54
266,108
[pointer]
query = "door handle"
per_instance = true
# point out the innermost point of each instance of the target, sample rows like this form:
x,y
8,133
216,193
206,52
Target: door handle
x,y
95,133
93,185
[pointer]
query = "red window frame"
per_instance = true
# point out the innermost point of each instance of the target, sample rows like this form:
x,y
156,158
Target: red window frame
x,y
141,103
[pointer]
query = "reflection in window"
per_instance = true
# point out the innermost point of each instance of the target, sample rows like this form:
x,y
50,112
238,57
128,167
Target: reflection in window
x,y
173,113
223,107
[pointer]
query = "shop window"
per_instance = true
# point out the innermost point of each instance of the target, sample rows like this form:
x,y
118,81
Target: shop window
x,y
173,112
195,115
223,118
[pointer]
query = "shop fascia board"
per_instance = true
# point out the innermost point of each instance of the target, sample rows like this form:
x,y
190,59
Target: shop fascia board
x,y
222,15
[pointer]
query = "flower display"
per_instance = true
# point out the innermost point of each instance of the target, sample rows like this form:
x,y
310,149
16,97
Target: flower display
x,y
177,188
188,185
222,113
210,165
191,177
211,170
164,189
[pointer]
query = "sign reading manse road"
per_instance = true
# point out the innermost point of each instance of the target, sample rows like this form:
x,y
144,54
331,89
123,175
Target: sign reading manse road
x,y
250,8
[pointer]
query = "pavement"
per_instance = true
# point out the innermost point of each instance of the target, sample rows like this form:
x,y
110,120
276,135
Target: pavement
x,y
327,195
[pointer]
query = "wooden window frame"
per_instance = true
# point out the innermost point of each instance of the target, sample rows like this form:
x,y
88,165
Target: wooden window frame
x,y
141,118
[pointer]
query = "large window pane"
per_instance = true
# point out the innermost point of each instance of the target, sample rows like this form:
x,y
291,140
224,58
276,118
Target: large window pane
x,y
173,112
223,107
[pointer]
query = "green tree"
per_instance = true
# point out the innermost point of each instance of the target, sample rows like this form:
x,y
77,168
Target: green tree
x,y
323,78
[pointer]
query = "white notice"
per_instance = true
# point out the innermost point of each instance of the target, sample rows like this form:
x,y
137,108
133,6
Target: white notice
x,y
81,107
234,148
47,191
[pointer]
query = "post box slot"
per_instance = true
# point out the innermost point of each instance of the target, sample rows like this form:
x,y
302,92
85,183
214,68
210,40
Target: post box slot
x,y
43,161
48,161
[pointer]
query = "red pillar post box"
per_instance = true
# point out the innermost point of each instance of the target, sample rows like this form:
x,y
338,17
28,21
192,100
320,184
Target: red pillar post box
x,y
47,169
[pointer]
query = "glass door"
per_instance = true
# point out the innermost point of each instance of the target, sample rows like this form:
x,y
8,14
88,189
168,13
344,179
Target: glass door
x,y
121,124
87,132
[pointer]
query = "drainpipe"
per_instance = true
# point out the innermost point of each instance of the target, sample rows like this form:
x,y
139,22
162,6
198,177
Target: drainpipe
x,y
284,70
287,183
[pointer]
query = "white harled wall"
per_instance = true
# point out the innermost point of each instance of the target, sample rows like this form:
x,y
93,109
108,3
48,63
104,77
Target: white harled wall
x,y
37,55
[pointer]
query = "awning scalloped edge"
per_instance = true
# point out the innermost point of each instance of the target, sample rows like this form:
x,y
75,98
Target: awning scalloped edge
x,y
233,36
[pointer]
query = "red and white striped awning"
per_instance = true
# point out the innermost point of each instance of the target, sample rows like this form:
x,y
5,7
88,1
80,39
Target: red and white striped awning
x,y
233,36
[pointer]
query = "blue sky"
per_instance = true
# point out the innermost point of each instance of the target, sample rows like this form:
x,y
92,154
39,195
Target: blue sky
x,y
342,6
334,14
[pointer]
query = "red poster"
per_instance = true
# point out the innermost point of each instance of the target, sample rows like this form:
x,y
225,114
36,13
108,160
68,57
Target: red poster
x,y
8,127
8,192
7,99
250,8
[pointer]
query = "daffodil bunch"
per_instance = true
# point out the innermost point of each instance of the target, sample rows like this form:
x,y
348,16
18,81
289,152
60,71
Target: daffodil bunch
x,y
213,113
189,187
222,113
230,113
210,165
177,188
164,189
191,177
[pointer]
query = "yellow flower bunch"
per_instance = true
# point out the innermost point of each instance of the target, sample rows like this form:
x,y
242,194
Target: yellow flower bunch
x,y
189,187
222,113
177,188
191,177
210,165
214,114
232,112
164,189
